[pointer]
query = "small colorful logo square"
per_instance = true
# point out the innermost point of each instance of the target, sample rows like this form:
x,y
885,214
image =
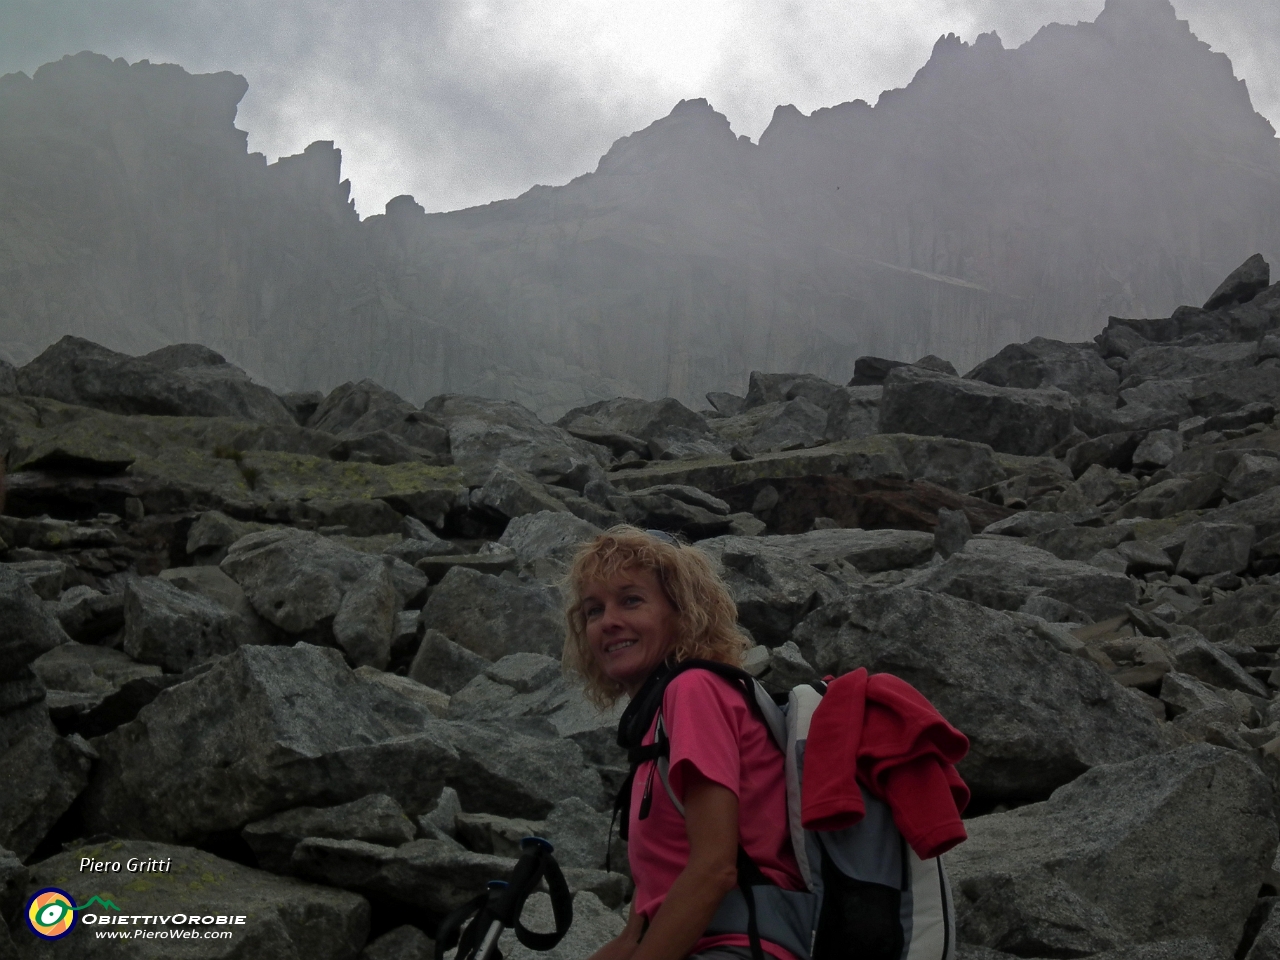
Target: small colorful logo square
x,y
51,913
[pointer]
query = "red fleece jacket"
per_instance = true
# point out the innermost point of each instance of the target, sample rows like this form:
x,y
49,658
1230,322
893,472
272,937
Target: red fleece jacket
x,y
881,732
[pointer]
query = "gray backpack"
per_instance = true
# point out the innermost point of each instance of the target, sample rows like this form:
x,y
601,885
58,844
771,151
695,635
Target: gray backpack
x,y
869,896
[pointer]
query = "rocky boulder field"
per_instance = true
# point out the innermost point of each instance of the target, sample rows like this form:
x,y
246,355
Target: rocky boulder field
x,y
305,648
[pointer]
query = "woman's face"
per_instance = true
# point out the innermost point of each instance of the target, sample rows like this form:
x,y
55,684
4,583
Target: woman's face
x,y
631,626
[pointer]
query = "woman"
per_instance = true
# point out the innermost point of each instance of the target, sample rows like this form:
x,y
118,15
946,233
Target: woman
x,y
638,601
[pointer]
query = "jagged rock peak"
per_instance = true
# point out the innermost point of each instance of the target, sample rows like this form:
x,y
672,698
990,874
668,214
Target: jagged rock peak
x,y
692,125
404,206
1146,13
164,93
317,172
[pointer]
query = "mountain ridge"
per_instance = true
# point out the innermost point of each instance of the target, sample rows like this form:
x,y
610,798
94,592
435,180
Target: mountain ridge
x,y
1113,167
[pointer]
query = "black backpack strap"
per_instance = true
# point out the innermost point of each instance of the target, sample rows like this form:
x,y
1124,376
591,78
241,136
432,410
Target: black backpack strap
x,y
749,877
632,726
639,716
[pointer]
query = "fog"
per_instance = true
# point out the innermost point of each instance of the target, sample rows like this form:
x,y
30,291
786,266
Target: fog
x,y
1005,187
467,101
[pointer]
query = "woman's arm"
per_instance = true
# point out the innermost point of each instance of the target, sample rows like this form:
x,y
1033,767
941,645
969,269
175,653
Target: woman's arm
x,y
711,820
624,944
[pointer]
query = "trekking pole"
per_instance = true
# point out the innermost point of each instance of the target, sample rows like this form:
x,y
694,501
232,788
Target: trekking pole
x,y
501,904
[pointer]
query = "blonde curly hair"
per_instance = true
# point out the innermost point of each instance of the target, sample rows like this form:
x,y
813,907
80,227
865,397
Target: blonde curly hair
x,y
707,615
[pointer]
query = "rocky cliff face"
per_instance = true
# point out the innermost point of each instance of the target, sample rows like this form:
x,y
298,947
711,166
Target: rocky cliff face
x,y
132,213
1113,167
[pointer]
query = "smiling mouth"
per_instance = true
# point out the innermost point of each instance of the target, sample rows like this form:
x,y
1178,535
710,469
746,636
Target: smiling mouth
x,y
614,647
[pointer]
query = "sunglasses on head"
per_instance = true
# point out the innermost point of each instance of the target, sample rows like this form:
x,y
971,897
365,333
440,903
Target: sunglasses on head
x,y
664,537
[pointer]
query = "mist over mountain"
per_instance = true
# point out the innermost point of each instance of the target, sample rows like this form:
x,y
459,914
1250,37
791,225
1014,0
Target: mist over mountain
x,y
1107,168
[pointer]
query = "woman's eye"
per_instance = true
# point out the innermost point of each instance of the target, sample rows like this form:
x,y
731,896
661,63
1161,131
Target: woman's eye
x,y
591,612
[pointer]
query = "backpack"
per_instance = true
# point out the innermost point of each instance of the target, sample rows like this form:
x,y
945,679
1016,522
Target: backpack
x,y
869,896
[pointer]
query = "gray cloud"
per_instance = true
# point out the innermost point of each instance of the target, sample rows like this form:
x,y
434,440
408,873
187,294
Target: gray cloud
x,y
461,102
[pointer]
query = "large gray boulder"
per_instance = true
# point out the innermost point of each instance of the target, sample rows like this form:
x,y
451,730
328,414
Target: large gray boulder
x,y
45,577
88,615
546,541
315,589
1010,419
510,493
356,412
1005,574
580,835
177,630
435,875
365,623
1036,716
777,581
1077,368
1266,946
210,582
43,772
483,432
1239,613
673,506
1261,511
1215,548
375,819
27,628
1167,362
530,692
1152,403
870,551
1169,846
213,532
1243,284
1252,475
766,388
518,685
1229,390
494,616
852,413
786,425
958,465
286,919
772,591
443,665
13,889
90,669
182,381
1158,449
267,729
669,428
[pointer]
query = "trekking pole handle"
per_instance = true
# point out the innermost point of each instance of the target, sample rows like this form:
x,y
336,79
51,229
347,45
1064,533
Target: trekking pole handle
x,y
498,890
490,938
528,871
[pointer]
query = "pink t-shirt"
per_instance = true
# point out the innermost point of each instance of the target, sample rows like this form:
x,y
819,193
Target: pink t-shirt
x,y
712,729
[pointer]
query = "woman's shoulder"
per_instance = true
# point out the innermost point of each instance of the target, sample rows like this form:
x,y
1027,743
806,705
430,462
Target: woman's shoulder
x,y
703,685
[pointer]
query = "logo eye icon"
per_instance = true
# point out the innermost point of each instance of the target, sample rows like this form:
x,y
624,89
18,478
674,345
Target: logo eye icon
x,y
51,913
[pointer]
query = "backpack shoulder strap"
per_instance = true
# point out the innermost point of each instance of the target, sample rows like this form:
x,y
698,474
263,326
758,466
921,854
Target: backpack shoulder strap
x,y
647,705
757,697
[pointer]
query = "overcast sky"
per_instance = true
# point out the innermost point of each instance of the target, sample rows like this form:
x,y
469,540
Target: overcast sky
x,y
460,102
